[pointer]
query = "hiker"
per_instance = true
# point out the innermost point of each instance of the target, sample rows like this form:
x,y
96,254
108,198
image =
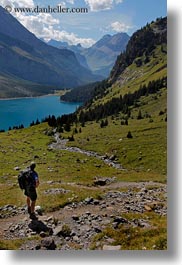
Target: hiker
x,y
30,191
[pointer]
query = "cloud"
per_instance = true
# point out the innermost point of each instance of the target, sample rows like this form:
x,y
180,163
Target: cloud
x,y
45,25
70,1
65,2
120,27
71,38
42,25
17,3
98,5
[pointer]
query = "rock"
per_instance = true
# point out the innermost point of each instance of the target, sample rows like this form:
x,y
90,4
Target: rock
x,y
76,239
75,217
48,243
37,247
108,247
50,219
62,230
98,166
88,200
97,229
100,182
96,202
43,234
147,208
38,226
58,230
56,191
38,210
120,220
50,182
112,157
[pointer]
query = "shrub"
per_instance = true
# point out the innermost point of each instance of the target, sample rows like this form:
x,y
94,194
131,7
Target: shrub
x,y
129,135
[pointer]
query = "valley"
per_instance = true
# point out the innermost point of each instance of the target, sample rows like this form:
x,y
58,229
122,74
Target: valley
x,y
103,168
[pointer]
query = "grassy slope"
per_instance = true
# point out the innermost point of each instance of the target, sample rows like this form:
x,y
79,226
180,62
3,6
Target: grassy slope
x,y
11,87
133,76
146,151
51,165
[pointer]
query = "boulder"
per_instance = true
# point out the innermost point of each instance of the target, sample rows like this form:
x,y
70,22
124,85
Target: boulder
x,y
48,243
108,247
62,230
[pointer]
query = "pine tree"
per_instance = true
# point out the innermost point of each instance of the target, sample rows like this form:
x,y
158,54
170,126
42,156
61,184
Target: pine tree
x,y
139,117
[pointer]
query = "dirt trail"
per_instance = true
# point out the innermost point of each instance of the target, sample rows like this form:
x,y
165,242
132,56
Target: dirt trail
x,y
89,217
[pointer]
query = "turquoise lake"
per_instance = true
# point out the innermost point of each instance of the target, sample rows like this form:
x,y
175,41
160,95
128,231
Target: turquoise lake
x,y
14,112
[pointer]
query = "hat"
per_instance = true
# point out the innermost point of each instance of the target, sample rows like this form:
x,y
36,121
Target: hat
x,y
32,164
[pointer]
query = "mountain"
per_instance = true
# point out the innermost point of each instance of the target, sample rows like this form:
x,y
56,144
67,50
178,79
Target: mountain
x,y
139,71
77,49
141,46
27,62
101,56
58,44
143,61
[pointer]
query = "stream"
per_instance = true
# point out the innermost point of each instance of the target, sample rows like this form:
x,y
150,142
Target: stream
x,y
60,144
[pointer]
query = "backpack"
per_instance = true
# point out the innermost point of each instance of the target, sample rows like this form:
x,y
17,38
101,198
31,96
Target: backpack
x,y
25,179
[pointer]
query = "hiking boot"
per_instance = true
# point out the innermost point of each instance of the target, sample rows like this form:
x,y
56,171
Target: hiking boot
x,y
33,216
29,210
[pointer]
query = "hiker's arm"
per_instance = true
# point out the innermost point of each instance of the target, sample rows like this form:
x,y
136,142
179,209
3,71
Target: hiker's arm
x,y
37,183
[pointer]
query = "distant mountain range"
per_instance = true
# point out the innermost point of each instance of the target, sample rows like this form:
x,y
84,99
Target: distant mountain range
x,y
30,67
101,56
144,59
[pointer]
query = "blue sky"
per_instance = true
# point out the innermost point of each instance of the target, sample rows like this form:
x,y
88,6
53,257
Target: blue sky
x,y
103,17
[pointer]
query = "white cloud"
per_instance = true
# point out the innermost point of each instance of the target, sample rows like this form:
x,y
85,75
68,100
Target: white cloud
x,y
98,5
42,25
120,26
64,3
51,33
17,3
45,25
70,1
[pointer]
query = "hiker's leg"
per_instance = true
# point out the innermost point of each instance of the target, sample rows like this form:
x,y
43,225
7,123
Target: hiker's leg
x,y
28,202
33,197
28,205
33,206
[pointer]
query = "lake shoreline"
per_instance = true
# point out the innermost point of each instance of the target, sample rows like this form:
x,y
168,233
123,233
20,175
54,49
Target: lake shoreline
x,y
23,111
46,95
58,93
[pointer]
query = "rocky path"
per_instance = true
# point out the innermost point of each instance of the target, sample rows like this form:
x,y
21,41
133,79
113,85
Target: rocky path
x,y
60,144
76,225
